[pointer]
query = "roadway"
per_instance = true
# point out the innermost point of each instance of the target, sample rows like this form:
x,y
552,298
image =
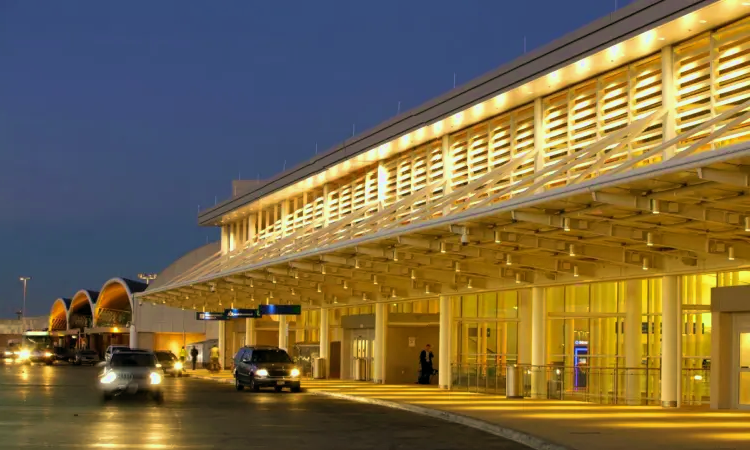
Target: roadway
x,y
60,407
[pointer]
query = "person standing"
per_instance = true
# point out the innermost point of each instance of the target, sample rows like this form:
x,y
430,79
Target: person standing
x,y
183,355
425,365
215,358
194,356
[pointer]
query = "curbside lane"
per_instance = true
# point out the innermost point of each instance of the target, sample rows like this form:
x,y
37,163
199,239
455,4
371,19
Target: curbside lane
x,y
520,437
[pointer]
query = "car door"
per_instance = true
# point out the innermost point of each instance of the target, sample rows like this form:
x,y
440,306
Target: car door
x,y
243,368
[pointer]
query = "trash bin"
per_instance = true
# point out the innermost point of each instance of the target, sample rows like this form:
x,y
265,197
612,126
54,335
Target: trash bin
x,y
360,369
319,368
513,382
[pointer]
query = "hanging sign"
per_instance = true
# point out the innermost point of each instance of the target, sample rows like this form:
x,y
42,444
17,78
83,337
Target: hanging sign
x,y
207,315
242,313
283,310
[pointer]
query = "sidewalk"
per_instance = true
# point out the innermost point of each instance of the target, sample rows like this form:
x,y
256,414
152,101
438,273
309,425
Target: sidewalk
x,y
573,425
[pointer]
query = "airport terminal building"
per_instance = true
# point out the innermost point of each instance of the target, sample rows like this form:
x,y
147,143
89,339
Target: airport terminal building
x,y
580,215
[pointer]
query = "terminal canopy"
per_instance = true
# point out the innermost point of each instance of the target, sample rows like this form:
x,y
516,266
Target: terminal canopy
x,y
58,315
115,305
81,309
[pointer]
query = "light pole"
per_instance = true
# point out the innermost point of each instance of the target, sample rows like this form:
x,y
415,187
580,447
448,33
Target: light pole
x,y
147,277
24,280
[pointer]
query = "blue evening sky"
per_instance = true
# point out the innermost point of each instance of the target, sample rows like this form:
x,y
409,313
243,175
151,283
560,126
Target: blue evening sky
x,y
118,119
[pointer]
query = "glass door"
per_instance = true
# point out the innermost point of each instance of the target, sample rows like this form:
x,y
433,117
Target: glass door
x,y
743,369
362,358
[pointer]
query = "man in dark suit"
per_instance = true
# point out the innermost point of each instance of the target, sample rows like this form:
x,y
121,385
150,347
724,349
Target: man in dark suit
x,y
425,365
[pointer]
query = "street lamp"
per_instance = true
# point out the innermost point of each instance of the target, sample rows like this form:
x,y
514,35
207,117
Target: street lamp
x,y
24,280
147,277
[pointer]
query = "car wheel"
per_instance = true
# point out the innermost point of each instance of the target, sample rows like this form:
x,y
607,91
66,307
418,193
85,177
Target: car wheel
x,y
254,386
179,374
159,398
106,397
237,385
296,388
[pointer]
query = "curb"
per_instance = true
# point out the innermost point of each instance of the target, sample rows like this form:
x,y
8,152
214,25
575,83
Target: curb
x,y
520,437
491,428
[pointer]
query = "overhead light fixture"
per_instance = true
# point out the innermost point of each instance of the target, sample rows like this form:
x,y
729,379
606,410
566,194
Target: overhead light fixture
x,y
364,296
465,236
702,21
393,293
566,224
320,288
498,237
655,206
273,279
469,285
270,294
413,274
335,299
252,297
296,274
251,282
518,277
426,288
457,266
747,224
443,247
267,301
731,253
508,260
395,255
575,271
572,250
293,293
374,279
346,284
649,239
323,269
356,263
646,265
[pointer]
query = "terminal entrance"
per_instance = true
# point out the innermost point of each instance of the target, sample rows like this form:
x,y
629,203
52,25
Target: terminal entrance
x,y
362,355
743,368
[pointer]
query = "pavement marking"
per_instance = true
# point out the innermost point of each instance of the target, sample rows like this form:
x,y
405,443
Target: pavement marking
x,y
520,437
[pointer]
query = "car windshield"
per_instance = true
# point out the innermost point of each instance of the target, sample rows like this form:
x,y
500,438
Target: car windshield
x,y
271,356
122,359
119,349
165,356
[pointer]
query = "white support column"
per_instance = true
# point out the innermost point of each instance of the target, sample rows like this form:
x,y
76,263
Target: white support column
x,y
538,135
133,338
251,227
444,355
224,239
325,340
283,333
524,327
670,342
326,206
222,343
668,98
447,169
633,345
382,184
538,343
249,331
381,329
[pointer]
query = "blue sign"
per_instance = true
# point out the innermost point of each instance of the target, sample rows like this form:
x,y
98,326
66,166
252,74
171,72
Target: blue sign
x,y
242,313
283,310
206,315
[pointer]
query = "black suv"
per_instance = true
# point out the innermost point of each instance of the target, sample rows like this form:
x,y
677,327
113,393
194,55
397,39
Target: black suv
x,y
257,367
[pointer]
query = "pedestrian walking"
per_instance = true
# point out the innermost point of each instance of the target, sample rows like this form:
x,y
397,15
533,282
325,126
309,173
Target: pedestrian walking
x,y
425,365
194,356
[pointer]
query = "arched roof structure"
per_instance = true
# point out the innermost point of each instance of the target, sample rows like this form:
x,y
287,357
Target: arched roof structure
x,y
58,315
81,309
115,304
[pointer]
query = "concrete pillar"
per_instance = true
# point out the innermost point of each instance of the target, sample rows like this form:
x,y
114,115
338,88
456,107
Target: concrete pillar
x,y
446,329
538,343
133,336
633,345
249,331
381,329
524,327
325,340
133,318
224,239
222,343
283,333
670,342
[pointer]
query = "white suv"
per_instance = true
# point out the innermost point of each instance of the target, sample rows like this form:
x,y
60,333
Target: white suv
x,y
114,349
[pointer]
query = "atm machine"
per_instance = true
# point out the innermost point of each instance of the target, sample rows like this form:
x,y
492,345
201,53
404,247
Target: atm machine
x,y
581,363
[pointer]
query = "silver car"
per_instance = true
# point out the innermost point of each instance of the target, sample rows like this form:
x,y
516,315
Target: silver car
x,y
130,373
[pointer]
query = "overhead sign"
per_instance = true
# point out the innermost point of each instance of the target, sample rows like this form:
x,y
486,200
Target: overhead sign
x,y
207,315
242,313
283,310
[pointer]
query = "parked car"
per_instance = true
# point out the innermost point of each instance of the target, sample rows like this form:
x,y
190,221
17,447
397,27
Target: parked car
x,y
64,354
114,349
86,357
169,363
258,367
129,373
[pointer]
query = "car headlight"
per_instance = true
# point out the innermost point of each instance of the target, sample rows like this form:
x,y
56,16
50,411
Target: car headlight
x,y
24,354
155,378
158,365
261,372
295,372
7,353
47,354
109,377
178,366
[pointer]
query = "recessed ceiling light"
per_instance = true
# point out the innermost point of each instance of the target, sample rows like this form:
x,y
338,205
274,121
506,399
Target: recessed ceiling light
x,y
661,38
702,21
